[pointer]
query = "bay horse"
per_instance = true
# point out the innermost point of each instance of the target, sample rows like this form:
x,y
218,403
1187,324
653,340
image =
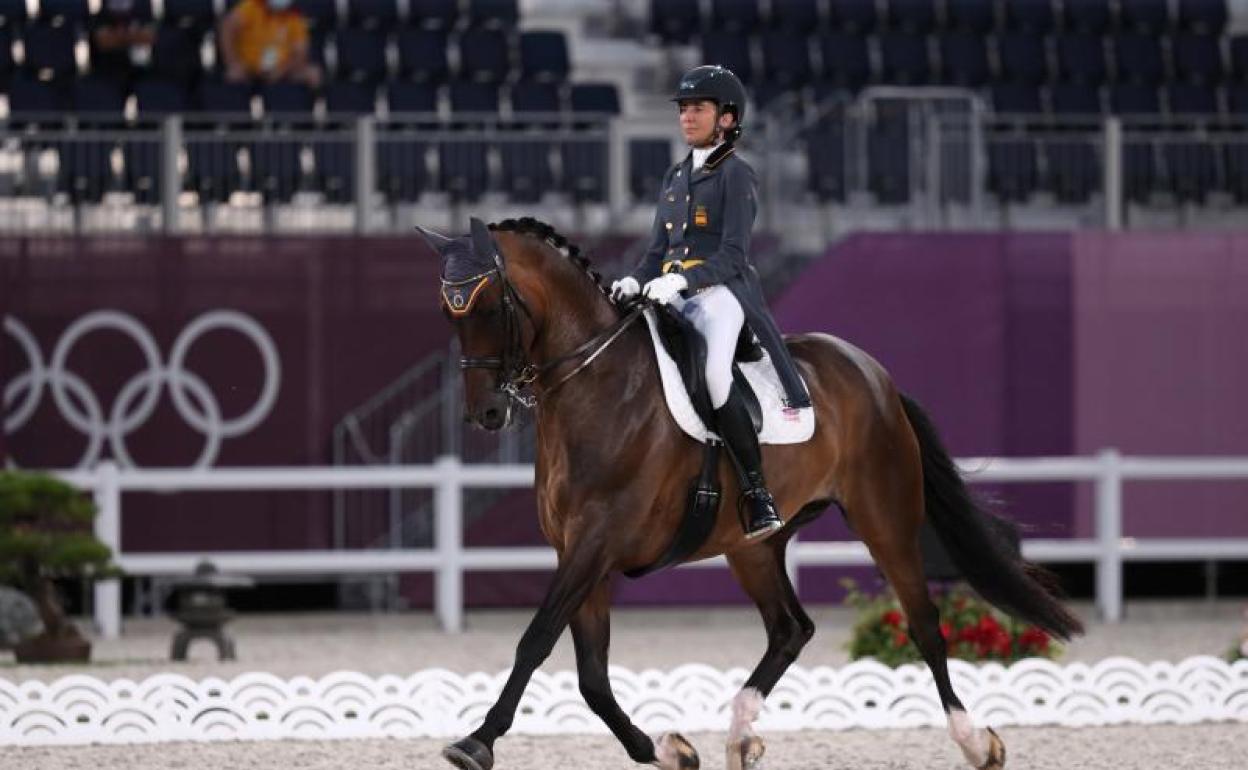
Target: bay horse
x,y
613,468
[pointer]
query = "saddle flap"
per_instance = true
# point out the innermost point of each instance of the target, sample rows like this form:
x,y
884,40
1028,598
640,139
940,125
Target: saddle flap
x,y
688,349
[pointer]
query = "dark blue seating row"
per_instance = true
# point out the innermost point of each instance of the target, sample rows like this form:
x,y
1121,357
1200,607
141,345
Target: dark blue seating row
x,y
682,20
484,55
320,14
966,58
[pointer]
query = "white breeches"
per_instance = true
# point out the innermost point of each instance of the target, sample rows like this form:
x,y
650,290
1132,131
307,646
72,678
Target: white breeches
x,y
717,315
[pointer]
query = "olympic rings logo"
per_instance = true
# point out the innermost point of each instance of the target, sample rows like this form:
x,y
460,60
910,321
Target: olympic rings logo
x,y
134,404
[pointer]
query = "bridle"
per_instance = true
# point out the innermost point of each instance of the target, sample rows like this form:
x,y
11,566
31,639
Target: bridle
x,y
515,373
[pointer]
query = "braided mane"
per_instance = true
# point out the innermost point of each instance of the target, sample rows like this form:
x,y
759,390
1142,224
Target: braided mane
x,y
547,233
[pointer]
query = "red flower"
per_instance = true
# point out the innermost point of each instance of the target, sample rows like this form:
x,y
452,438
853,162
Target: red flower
x,y
892,618
1034,638
900,639
945,630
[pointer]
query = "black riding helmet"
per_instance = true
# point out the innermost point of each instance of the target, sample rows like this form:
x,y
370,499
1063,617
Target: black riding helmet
x,y
711,81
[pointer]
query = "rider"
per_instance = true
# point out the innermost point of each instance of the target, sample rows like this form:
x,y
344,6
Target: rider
x,y
699,247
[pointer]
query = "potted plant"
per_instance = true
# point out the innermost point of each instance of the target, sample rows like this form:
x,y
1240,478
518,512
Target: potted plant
x,y
46,534
973,630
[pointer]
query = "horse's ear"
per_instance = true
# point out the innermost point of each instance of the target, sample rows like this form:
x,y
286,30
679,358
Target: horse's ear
x,y
437,241
483,243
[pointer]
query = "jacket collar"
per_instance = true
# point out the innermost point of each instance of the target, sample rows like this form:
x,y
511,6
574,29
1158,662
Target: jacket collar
x,y
712,164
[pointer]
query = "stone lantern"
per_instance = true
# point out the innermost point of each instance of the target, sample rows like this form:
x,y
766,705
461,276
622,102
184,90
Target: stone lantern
x,y
201,609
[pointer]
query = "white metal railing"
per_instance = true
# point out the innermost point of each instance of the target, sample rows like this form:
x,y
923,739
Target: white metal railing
x,y
448,559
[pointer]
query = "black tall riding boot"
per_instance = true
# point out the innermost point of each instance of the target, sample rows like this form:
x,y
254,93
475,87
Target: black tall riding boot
x,y
737,430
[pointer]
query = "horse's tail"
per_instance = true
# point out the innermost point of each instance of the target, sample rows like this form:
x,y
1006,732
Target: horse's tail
x,y
984,546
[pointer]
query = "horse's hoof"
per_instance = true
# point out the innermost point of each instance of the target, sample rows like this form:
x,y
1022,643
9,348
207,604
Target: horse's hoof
x,y
674,752
996,752
469,754
746,754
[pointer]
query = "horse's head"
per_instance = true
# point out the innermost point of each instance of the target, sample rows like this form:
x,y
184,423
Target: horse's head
x,y
493,322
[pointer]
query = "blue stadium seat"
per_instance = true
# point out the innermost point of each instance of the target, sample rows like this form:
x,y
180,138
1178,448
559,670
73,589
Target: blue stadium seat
x,y
276,160
50,51
1073,170
795,15
361,55
380,15
1237,151
1197,58
1139,156
964,59
648,162
1016,99
972,15
140,10
64,13
735,15
175,55
846,61
422,55
1022,57
503,14
335,158
1138,58
826,156
585,167
86,168
12,13
212,166
526,167
402,173
1034,16
321,15
904,59
854,15
1090,16
1191,163
1145,15
674,21
483,56
530,99
1203,16
1237,100
32,100
159,97
411,97
888,152
463,165
1076,100
544,56
786,58
1239,57
189,14
7,65
433,14
1081,59
918,16
728,49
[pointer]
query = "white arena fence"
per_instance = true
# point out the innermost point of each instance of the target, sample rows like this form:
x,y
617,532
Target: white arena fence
x,y
449,559
438,703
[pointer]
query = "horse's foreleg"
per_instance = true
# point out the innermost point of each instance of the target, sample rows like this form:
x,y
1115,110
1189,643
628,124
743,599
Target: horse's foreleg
x,y
591,632
573,581
760,570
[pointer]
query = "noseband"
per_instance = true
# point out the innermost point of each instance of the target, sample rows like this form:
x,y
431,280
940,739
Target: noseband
x,y
515,372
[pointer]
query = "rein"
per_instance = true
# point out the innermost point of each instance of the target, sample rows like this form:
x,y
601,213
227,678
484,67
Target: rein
x,y
515,372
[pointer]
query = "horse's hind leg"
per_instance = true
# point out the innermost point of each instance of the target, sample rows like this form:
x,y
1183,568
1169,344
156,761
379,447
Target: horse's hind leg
x,y
887,518
591,632
760,570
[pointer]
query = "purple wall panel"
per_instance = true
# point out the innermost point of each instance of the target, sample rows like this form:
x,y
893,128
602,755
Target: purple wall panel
x,y
1162,368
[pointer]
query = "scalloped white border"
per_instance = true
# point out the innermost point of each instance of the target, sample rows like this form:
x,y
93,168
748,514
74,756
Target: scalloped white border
x,y
438,703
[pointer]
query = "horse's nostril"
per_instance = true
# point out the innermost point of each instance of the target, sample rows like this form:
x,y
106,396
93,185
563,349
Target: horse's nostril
x,y
492,416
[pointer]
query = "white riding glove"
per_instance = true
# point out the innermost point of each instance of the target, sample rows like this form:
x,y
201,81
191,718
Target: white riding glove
x,y
665,288
624,288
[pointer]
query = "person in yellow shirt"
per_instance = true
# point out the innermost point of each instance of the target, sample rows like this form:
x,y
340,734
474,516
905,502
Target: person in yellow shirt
x,y
267,40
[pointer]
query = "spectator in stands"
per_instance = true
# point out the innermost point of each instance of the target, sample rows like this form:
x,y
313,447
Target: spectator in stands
x,y
119,41
267,40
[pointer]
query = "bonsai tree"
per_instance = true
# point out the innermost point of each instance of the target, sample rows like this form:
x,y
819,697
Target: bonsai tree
x,y
46,534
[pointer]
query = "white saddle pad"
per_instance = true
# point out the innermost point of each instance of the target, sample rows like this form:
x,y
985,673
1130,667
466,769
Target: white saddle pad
x,y
781,424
